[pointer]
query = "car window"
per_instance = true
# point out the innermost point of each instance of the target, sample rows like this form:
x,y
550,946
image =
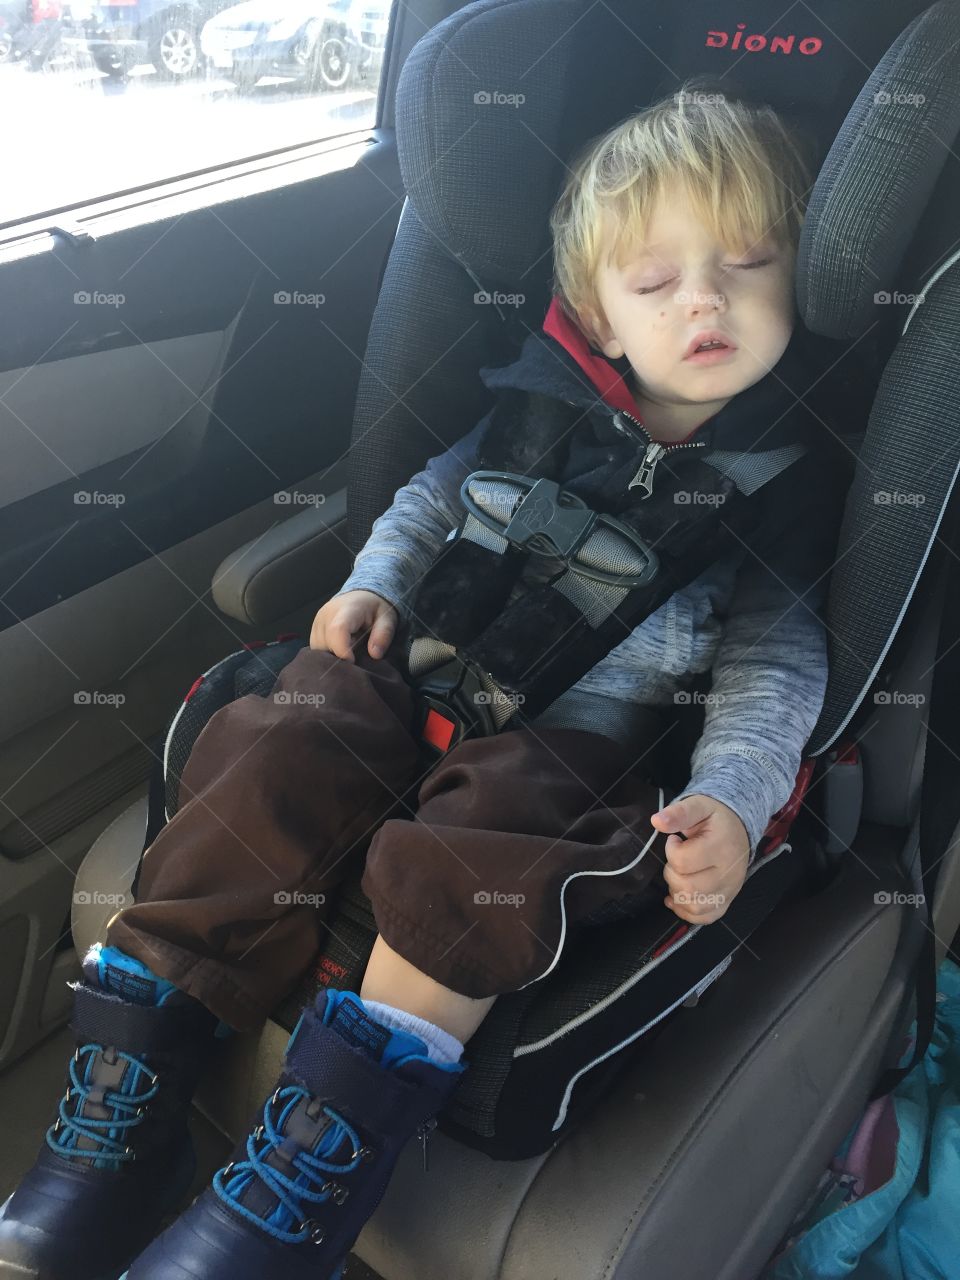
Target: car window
x,y
99,98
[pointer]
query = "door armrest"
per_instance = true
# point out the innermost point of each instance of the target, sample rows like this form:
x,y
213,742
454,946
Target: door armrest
x,y
301,559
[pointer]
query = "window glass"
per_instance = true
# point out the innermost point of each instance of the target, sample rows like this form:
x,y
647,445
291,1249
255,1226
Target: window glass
x,y
98,98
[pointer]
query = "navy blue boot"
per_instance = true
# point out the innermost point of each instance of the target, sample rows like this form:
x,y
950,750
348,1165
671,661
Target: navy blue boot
x,y
298,1191
119,1156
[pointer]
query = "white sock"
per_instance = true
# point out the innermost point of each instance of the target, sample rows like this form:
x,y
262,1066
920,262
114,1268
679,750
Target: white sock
x,y
441,1045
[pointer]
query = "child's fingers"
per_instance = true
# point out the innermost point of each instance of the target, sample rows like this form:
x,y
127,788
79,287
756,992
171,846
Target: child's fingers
x,y
340,635
704,882
382,635
691,856
683,815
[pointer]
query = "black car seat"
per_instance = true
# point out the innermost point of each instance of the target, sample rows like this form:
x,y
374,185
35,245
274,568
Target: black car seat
x,y
714,1135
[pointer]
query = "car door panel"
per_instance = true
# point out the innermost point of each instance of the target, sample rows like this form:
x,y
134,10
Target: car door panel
x,y
209,405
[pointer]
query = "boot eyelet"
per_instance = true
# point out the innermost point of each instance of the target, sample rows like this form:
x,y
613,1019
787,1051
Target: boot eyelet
x,y
275,1097
316,1231
366,1154
258,1132
226,1170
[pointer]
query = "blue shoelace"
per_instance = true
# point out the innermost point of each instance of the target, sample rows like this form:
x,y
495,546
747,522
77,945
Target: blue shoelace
x,y
111,1131
229,1183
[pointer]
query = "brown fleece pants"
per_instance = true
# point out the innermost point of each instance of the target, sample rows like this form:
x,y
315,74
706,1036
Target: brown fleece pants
x,y
478,866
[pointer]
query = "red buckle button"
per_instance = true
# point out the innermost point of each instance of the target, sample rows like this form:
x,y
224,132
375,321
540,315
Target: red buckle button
x,y
438,730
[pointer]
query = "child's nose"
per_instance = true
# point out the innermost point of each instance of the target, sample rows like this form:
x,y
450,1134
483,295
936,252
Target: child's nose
x,y
705,296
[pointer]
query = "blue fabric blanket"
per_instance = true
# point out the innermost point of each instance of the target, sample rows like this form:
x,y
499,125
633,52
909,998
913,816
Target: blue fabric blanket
x,y
889,1206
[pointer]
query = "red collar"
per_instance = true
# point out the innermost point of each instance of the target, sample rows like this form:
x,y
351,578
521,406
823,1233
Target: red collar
x,y
610,384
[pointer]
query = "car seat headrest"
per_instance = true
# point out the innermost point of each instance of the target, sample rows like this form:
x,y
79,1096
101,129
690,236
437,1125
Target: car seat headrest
x,y
495,99
877,180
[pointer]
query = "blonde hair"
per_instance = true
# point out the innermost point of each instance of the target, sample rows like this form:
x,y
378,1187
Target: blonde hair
x,y
742,172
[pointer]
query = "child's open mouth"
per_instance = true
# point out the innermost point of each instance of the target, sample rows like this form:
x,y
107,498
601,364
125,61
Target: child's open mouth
x,y
711,355
710,350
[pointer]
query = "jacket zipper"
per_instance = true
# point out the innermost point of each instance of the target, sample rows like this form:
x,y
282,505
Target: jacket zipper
x,y
425,1133
653,453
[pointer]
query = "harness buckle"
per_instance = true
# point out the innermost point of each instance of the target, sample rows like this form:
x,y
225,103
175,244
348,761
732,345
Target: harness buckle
x,y
541,516
554,522
453,705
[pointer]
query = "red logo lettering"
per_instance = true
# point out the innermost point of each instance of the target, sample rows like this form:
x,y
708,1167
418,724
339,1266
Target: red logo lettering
x,y
757,43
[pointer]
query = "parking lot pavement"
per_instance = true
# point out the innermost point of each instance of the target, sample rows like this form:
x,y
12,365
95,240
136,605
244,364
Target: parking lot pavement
x,y
73,135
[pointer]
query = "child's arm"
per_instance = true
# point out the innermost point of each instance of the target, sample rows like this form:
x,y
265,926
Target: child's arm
x,y
769,681
403,543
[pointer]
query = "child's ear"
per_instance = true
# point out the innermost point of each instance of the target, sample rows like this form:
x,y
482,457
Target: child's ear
x,y
600,335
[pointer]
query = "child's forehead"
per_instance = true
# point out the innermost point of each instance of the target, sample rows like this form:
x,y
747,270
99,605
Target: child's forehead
x,y
627,246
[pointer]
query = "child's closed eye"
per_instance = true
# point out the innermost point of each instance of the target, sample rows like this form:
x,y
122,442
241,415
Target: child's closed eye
x,y
741,266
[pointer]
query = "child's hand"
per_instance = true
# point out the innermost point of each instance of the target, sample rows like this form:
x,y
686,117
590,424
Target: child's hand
x,y
342,620
705,872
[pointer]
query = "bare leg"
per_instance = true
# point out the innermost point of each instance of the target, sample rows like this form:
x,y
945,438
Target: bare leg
x,y
392,980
